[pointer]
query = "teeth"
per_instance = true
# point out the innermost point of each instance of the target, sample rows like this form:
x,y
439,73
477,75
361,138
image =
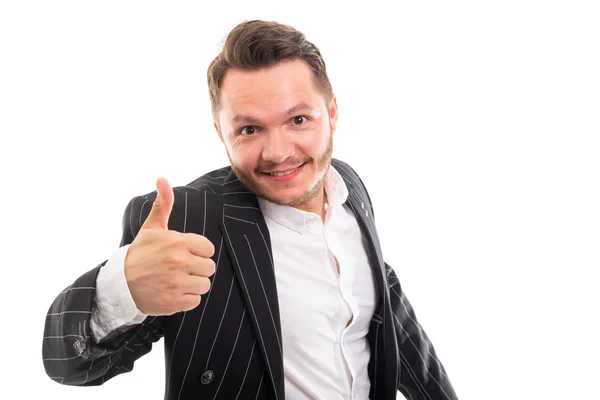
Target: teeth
x,y
283,173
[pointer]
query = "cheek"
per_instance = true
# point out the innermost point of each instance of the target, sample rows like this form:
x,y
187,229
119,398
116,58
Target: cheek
x,y
244,154
234,147
315,139
237,146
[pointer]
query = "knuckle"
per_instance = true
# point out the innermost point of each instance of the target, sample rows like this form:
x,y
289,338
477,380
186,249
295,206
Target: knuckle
x,y
171,240
175,261
178,239
173,284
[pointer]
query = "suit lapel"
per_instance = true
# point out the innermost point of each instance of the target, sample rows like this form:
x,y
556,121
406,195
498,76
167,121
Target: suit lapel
x,y
367,225
248,243
360,206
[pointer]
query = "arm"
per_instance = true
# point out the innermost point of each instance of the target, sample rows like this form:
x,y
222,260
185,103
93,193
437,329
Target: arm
x,y
70,354
423,376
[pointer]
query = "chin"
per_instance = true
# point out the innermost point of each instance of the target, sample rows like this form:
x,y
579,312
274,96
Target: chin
x,y
291,199
294,197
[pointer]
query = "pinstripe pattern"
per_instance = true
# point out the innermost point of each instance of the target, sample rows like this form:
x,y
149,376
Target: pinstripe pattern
x,y
229,347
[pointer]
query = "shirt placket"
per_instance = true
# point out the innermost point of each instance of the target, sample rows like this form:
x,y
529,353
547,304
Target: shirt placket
x,y
333,245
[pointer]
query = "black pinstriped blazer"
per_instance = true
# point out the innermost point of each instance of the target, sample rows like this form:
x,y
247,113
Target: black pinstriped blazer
x,y
229,347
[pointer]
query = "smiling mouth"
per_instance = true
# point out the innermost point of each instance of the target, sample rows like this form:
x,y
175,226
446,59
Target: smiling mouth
x,y
284,173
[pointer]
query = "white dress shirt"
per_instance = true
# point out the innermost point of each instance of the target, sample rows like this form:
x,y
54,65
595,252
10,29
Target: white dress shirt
x,y
325,314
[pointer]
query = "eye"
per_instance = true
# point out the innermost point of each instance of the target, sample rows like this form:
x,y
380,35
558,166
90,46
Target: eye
x,y
248,130
299,120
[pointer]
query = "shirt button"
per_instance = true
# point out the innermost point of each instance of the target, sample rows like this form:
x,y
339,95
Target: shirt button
x,y
207,376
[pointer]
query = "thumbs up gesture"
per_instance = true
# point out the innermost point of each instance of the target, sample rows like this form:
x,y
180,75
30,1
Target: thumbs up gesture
x,y
167,271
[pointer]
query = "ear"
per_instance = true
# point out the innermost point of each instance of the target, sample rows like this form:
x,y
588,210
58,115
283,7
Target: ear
x,y
216,124
333,113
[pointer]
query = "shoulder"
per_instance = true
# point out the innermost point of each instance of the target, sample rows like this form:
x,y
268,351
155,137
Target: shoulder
x,y
202,195
348,173
344,169
352,180
212,181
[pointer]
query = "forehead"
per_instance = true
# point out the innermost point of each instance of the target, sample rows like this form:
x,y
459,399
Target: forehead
x,y
269,90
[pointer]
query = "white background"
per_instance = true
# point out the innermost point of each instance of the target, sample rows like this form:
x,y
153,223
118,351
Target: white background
x,y
474,124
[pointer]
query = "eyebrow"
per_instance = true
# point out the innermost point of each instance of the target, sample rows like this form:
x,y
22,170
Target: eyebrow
x,y
252,120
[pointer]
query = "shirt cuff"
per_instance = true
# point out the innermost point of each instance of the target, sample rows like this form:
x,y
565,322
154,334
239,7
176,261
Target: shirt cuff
x,y
114,308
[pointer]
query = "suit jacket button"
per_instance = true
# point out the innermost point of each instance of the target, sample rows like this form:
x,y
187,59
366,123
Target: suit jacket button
x,y
79,345
207,376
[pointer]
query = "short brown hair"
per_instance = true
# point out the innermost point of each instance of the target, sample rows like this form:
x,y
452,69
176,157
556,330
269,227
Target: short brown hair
x,y
253,45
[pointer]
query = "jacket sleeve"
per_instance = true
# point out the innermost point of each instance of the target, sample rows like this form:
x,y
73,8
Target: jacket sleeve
x,y
422,376
69,353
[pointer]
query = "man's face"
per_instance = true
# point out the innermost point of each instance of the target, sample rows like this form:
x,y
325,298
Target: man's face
x,y
274,121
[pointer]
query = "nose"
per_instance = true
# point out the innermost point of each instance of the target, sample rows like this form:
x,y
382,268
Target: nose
x,y
278,147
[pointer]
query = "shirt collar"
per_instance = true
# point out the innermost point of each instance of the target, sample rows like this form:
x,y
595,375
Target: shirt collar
x,y
300,220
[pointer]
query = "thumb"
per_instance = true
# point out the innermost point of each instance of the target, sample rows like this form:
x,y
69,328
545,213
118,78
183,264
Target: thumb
x,y
162,206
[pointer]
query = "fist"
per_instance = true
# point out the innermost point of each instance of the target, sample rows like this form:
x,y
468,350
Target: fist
x,y
167,271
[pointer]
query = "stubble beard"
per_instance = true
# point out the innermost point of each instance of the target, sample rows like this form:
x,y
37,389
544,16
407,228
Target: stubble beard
x,y
322,163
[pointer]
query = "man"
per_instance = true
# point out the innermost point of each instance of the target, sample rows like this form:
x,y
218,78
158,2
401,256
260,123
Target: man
x,y
297,301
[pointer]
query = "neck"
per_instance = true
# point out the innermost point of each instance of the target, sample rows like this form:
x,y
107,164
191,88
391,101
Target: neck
x,y
316,204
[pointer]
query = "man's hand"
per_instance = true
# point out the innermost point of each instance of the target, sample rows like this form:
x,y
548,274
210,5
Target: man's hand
x,y
167,271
